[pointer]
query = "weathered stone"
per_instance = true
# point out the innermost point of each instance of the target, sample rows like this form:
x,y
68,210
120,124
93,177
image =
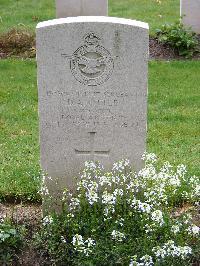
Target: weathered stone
x,y
92,81
190,12
73,8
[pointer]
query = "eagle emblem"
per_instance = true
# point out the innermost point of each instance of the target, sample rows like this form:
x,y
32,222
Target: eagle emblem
x,y
91,64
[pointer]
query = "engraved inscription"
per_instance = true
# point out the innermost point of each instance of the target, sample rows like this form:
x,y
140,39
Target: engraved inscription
x,y
102,117
91,64
91,150
93,108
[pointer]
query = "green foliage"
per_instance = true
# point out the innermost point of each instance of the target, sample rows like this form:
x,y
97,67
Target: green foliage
x,y
11,241
124,218
183,40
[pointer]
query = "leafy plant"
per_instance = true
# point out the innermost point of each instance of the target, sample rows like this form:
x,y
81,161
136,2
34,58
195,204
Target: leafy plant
x,y
183,40
124,218
10,241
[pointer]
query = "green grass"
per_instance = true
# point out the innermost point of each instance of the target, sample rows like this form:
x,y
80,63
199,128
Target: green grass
x,y
149,11
173,122
27,13
24,13
173,129
19,148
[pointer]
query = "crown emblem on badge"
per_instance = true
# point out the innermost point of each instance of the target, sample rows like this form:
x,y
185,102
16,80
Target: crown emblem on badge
x,y
92,39
91,64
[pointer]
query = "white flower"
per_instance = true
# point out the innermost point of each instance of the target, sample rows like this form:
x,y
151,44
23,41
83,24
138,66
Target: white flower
x,y
167,168
144,261
120,166
82,246
75,202
170,249
65,194
2,218
149,157
159,252
120,222
105,180
90,242
47,220
193,230
148,172
140,206
196,190
157,217
144,207
92,197
77,240
108,198
149,228
89,165
63,240
116,235
175,229
118,192
175,181
44,190
185,251
181,170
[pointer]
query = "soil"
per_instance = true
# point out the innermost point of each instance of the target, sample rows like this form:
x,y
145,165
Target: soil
x,y
160,51
30,216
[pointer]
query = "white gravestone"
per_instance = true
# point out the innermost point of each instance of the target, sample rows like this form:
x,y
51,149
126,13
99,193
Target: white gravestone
x,y
92,81
190,12
74,8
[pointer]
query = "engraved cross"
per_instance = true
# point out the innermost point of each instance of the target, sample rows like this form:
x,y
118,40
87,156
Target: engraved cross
x,y
92,151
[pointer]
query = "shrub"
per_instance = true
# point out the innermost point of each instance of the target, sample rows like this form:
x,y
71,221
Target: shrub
x,y
10,241
124,218
18,42
183,40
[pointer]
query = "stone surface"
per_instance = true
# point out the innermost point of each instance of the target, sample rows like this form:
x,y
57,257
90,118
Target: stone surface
x,y
74,8
92,81
190,11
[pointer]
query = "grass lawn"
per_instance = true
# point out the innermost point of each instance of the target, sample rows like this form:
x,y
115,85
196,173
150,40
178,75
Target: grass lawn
x,y
19,149
27,13
172,124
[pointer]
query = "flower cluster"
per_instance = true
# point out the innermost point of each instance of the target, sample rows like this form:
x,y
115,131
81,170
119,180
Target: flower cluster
x,y
44,191
157,217
47,220
82,246
143,261
193,230
175,229
118,236
122,209
170,249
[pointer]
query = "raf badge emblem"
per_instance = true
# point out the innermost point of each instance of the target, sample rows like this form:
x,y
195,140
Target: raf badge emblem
x,y
91,64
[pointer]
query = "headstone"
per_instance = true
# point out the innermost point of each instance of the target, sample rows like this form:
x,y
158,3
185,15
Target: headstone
x,y
92,81
74,8
190,12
